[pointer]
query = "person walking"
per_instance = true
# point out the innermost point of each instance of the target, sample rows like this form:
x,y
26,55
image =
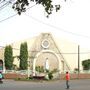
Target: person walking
x,y
67,80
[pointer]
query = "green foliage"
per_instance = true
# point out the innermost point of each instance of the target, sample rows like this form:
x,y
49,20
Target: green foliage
x,y
39,69
23,56
8,57
86,64
50,75
20,5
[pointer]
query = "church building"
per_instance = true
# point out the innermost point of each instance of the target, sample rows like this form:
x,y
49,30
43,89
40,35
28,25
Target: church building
x,y
49,52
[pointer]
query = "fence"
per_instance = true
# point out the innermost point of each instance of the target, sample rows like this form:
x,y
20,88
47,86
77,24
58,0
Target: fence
x,y
9,74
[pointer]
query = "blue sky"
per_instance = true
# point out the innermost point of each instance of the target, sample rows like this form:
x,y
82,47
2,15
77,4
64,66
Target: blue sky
x,y
71,22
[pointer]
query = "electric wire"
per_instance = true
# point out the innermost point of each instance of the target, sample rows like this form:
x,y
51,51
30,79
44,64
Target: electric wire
x,y
55,27
2,1
6,4
14,15
8,18
47,25
57,53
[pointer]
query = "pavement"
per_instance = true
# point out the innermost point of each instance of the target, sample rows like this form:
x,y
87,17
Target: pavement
x,y
83,84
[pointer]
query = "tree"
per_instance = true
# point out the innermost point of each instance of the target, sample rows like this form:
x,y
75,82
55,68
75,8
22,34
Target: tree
x,y
86,64
23,56
8,57
20,5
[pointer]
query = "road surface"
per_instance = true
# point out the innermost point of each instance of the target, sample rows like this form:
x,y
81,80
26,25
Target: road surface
x,y
45,85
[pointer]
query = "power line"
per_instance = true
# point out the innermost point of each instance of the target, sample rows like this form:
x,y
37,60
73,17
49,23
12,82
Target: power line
x,y
8,18
6,4
55,27
76,34
57,53
14,15
31,6
2,1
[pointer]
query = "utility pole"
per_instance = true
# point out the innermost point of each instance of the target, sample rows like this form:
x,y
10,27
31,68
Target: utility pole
x,y
78,61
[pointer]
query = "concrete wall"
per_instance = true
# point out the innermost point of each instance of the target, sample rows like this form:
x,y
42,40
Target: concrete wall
x,y
62,76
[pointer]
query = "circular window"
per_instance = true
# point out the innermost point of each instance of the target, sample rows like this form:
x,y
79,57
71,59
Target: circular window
x,y
45,43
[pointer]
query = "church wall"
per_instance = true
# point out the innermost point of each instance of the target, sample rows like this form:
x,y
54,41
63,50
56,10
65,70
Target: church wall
x,y
2,53
68,49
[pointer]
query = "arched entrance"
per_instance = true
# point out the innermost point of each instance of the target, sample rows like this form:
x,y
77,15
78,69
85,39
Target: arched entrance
x,y
1,65
53,59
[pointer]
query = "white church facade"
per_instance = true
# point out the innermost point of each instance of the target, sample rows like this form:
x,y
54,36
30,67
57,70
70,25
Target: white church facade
x,y
50,52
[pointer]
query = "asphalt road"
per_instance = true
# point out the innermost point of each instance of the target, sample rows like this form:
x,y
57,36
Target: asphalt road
x,y
51,85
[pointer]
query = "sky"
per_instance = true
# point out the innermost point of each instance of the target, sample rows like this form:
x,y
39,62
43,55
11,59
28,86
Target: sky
x,y
71,22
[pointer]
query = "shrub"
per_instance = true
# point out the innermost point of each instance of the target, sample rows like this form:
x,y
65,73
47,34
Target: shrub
x,y
50,75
